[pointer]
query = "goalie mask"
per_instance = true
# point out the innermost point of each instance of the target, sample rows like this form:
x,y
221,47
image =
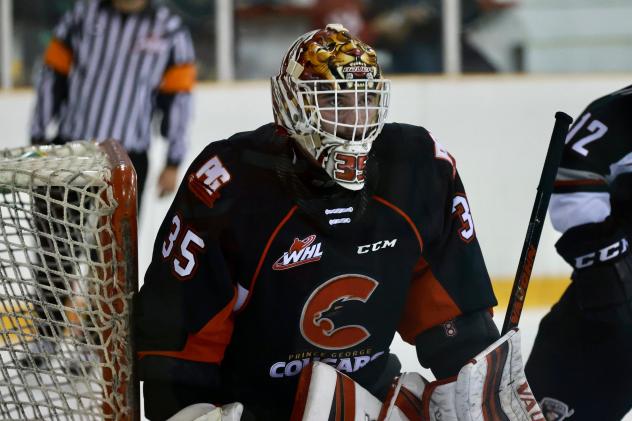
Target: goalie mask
x,y
330,97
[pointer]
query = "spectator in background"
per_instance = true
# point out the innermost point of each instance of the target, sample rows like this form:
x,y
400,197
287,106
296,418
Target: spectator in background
x,y
32,22
110,67
410,31
349,13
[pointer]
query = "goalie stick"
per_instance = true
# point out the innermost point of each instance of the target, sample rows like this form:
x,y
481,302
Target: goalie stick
x,y
538,215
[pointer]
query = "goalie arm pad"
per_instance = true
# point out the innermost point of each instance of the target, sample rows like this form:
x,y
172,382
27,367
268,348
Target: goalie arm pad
x,y
602,261
447,347
492,386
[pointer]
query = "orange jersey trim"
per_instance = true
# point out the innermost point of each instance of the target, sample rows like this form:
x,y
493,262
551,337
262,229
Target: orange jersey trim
x,y
209,344
428,304
405,216
58,57
253,281
179,78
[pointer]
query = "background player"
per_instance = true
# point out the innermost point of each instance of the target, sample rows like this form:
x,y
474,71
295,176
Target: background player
x,y
314,238
582,358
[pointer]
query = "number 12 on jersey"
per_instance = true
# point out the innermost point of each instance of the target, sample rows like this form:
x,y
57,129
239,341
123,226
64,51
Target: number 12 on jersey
x,y
596,128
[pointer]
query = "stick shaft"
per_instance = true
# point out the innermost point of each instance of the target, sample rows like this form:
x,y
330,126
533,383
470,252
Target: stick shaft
x,y
536,222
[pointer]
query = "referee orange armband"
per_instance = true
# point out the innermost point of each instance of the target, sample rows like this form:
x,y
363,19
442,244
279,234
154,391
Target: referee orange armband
x,y
179,78
58,57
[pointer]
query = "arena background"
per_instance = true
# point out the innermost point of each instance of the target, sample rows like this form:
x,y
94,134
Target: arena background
x,y
497,126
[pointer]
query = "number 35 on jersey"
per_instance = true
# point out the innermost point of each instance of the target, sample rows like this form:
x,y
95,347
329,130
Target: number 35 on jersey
x,y
187,244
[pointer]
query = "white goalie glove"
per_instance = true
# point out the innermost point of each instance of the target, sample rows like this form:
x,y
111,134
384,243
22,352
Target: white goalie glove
x,y
492,386
208,412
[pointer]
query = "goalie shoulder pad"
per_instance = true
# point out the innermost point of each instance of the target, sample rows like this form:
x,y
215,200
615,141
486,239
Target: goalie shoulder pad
x,y
323,393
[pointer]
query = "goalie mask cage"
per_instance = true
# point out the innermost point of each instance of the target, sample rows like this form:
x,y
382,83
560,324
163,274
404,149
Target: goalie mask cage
x,y
68,270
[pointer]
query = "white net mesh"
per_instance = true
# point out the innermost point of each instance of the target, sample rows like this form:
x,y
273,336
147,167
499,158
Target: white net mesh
x,y
64,300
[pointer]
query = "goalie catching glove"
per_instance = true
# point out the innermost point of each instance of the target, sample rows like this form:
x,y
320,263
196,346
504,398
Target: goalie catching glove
x,y
492,386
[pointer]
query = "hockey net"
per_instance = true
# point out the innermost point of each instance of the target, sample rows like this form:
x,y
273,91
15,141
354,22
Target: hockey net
x,y
68,270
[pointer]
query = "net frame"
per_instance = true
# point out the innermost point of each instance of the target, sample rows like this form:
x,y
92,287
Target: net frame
x,y
98,173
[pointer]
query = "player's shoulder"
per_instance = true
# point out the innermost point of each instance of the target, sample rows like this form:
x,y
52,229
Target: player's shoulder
x,y
614,106
413,171
406,135
415,146
80,10
599,136
80,7
171,21
406,141
240,165
235,146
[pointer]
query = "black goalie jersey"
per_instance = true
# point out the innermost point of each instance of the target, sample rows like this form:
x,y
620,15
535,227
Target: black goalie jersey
x,y
262,265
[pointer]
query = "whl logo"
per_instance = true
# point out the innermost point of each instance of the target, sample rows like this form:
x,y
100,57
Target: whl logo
x,y
301,252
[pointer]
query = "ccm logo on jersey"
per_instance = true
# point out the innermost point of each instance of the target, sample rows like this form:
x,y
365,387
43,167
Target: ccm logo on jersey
x,y
208,179
377,246
300,253
607,253
333,314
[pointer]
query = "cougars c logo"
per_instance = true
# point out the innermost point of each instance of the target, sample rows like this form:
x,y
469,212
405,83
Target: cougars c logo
x,y
328,315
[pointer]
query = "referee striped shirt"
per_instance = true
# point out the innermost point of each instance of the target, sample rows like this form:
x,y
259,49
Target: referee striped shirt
x,y
106,73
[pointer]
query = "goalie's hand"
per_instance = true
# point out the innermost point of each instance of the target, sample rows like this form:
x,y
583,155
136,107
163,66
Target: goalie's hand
x,y
208,412
491,386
